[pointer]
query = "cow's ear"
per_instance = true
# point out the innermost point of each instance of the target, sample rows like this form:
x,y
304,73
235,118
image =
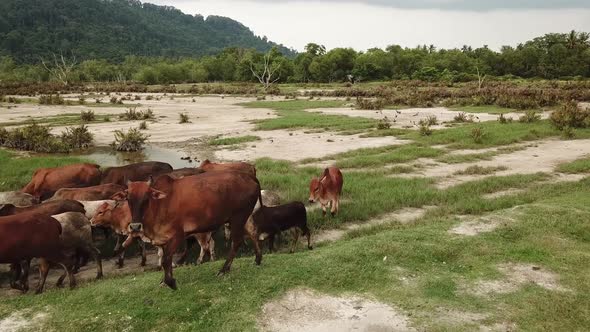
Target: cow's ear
x,y
156,194
324,175
120,196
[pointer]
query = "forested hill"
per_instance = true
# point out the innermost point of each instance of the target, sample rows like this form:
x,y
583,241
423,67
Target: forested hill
x,y
112,29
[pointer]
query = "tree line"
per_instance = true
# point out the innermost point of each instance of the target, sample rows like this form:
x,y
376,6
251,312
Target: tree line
x,y
552,56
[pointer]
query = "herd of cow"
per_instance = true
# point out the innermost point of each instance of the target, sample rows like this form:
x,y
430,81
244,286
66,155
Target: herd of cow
x,y
52,218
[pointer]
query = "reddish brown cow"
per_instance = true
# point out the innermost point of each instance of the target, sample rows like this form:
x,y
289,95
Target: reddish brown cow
x,y
327,189
171,210
46,181
94,193
209,166
134,172
32,235
47,208
182,172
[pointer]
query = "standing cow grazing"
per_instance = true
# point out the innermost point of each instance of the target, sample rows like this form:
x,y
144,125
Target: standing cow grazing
x,y
169,210
46,181
327,189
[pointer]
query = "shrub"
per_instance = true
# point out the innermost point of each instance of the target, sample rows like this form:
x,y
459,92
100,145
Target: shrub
x,y
504,120
51,100
530,116
137,97
463,117
149,97
77,137
143,125
32,138
432,120
570,115
568,132
133,114
424,128
87,116
477,134
114,100
184,118
132,140
384,123
368,104
81,100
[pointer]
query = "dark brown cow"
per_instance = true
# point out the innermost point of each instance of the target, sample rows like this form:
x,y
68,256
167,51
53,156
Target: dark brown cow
x,y
134,172
327,189
94,193
209,166
48,208
171,210
182,172
271,220
31,235
46,181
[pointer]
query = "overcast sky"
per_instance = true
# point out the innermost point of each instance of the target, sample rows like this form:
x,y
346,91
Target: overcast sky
x,y
363,24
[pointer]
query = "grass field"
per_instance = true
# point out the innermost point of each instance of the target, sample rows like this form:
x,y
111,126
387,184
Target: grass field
x,y
234,140
422,268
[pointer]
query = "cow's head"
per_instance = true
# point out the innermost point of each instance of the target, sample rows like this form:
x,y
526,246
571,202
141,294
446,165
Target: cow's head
x,y
138,195
316,187
106,216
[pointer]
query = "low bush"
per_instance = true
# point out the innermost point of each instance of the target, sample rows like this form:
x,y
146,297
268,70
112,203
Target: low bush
x,y
183,118
530,116
132,140
143,125
51,100
463,117
424,128
77,137
87,116
32,137
369,104
570,116
477,134
133,114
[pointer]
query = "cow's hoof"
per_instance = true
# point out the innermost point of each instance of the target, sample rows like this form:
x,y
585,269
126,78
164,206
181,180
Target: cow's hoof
x,y
119,264
258,260
171,283
99,276
38,291
333,214
142,263
310,248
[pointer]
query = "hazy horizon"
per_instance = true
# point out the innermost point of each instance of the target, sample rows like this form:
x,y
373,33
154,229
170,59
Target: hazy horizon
x,y
379,23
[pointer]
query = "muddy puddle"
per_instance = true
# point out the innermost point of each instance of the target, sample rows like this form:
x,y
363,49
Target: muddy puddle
x,y
105,156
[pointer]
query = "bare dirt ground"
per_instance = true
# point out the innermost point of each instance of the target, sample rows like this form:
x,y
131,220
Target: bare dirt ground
x,y
542,156
515,277
22,320
306,310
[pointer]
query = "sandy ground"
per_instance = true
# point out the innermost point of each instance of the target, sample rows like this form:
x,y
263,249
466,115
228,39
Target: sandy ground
x,y
410,117
306,310
543,156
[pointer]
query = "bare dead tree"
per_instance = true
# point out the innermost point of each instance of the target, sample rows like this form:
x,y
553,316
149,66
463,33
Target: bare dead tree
x,y
480,79
269,70
61,68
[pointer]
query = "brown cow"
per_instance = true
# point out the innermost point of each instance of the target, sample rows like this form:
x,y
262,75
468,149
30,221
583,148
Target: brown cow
x,y
46,181
32,235
327,190
209,166
182,172
94,193
171,210
48,208
134,172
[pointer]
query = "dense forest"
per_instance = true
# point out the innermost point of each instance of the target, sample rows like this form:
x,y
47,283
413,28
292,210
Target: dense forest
x,y
125,40
113,29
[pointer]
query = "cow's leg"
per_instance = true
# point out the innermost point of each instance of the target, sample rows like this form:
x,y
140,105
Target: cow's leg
x,y
227,234
307,233
188,243
118,244
143,252
294,246
160,255
15,276
95,253
168,255
237,237
323,209
43,270
253,234
121,249
24,279
333,206
271,243
211,248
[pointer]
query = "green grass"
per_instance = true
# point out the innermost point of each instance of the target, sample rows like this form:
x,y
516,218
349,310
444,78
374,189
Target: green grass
x,y
16,171
66,119
480,170
292,115
234,140
553,233
576,166
491,109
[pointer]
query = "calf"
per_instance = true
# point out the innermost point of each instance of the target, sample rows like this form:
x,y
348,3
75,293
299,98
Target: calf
x,y
46,181
94,193
31,235
269,198
76,236
269,221
17,198
327,190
